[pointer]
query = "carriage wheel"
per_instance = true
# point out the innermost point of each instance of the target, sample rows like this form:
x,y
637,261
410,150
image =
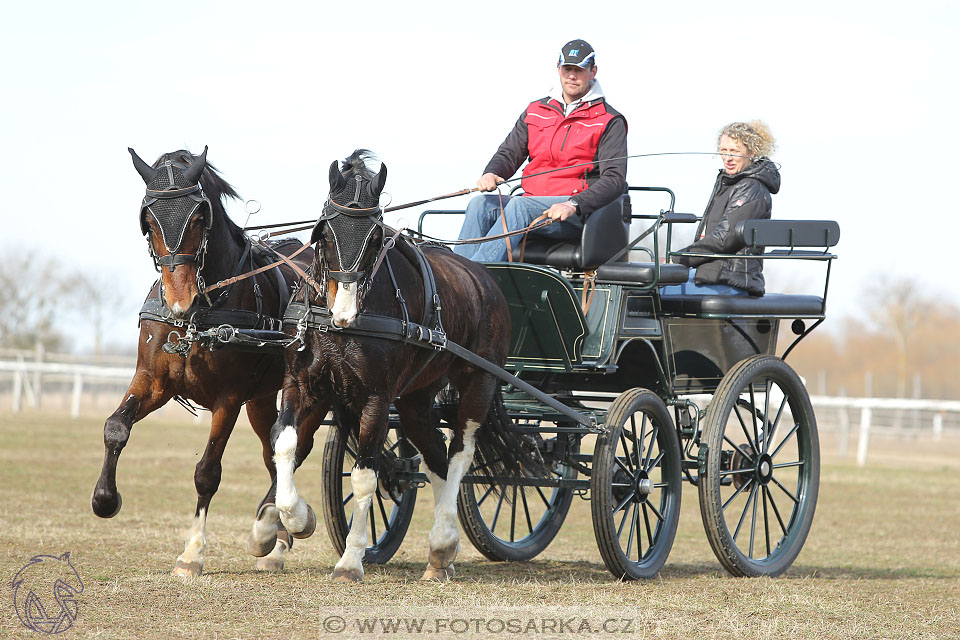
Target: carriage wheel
x,y
760,473
392,505
511,522
635,487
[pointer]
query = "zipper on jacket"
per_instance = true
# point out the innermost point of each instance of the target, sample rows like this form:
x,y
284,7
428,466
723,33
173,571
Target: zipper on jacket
x,y
565,137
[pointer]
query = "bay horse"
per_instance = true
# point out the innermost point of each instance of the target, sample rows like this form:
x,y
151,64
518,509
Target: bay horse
x,y
193,242
361,373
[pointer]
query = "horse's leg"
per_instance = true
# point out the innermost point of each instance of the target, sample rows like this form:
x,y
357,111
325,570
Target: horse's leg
x,y
144,395
268,540
292,440
444,476
207,480
363,480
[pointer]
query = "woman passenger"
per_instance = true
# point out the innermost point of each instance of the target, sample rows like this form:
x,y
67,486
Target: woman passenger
x,y
742,192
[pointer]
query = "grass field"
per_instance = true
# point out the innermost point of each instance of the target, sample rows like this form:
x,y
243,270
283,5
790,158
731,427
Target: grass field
x,y
882,560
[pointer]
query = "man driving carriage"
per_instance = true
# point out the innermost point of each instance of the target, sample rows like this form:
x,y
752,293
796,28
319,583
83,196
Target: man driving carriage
x,y
576,143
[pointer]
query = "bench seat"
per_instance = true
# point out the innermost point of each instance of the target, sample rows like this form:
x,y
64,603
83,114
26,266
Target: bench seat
x,y
771,304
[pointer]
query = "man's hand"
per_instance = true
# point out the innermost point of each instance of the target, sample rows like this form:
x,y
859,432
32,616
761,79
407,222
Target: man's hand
x,y
561,211
489,182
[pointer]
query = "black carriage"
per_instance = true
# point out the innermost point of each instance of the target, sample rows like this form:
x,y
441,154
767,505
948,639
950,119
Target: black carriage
x,y
625,402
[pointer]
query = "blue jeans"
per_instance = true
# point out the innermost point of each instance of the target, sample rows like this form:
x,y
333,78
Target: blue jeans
x,y
483,219
691,288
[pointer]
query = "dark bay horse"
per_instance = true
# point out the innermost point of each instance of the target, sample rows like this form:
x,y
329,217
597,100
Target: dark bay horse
x,y
362,374
193,242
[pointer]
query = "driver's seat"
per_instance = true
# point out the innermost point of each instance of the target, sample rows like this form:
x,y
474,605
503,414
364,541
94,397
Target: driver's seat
x,y
606,232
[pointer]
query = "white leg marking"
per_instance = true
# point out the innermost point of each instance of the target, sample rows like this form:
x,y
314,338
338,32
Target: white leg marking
x,y
445,534
364,484
292,508
265,526
273,561
345,304
196,540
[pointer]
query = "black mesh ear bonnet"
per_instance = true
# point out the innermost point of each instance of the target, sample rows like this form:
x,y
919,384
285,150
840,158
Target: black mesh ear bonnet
x,y
352,210
173,198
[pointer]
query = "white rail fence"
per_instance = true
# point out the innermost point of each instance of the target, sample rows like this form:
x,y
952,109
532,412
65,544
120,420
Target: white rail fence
x,y
897,417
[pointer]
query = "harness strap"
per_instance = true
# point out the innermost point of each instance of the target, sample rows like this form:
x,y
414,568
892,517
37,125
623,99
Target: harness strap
x,y
296,268
244,276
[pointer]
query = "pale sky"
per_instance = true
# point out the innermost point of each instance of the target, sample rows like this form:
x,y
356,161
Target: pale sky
x,y
862,98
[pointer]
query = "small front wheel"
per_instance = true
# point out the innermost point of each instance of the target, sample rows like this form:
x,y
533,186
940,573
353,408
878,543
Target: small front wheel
x,y
636,485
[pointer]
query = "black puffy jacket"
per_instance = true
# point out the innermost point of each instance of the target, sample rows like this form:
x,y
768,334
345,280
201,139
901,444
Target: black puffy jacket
x,y
743,196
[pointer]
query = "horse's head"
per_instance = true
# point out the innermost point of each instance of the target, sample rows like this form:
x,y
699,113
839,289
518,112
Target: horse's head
x,y
350,233
176,217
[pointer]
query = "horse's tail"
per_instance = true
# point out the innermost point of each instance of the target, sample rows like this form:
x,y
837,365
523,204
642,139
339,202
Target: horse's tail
x,y
502,452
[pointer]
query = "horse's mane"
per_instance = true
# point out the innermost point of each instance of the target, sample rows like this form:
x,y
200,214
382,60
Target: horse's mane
x,y
212,183
361,161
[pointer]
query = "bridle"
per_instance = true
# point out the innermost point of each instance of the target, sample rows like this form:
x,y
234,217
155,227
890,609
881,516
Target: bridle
x,y
349,257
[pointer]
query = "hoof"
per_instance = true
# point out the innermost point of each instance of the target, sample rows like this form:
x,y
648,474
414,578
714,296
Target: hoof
x,y
347,575
443,557
106,506
442,574
270,564
308,528
187,569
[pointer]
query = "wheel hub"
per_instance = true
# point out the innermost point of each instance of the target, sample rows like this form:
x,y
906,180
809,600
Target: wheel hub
x,y
764,468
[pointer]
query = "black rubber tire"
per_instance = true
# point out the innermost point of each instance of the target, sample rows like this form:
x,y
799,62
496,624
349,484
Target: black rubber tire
x,y
537,512
741,465
389,520
615,485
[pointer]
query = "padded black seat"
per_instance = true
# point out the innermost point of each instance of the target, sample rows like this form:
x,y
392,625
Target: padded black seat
x,y
642,273
605,233
772,304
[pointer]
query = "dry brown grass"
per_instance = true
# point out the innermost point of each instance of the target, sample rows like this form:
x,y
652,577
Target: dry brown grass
x,y
882,561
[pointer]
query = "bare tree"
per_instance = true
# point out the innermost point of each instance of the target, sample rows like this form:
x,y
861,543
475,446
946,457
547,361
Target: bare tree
x,y
896,306
97,298
31,296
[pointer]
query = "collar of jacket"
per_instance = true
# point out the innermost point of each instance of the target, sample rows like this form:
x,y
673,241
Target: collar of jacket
x,y
593,95
764,170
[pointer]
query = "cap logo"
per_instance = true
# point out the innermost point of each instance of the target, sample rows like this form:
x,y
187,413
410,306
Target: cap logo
x,y
574,52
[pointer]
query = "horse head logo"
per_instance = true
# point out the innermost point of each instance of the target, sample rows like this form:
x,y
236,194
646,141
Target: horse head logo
x,y
45,593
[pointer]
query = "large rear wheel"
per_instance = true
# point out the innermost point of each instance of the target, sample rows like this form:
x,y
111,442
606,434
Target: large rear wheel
x,y
636,485
759,468
392,505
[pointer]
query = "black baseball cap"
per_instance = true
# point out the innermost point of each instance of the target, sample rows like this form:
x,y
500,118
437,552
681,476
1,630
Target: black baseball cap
x,y
579,53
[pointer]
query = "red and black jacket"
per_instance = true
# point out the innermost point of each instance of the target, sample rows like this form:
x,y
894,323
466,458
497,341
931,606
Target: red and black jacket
x,y
594,132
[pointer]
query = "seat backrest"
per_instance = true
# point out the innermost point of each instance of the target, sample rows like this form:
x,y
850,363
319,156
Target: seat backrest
x,y
606,232
788,233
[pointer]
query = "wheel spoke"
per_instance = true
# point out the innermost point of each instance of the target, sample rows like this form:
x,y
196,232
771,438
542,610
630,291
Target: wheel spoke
x,y
784,489
784,465
766,519
785,440
546,502
626,453
653,441
746,484
753,524
732,443
526,510
513,515
485,494
736,472
383,512
623,503
623,521
766,416
753,493
373,527
496,513
633,526
646,522
348,498
773,427
753,416
743,426
623,467
655,463
654,509
776,511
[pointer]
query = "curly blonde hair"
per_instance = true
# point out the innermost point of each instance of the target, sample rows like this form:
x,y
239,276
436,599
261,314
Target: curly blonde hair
x,y
755,136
